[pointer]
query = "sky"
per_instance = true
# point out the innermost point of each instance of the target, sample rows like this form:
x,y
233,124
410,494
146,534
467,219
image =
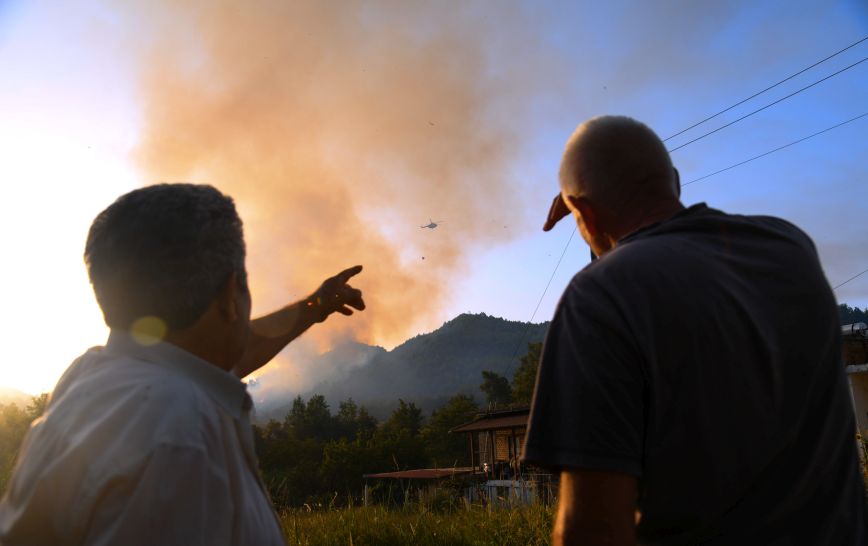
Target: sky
x,y
340,128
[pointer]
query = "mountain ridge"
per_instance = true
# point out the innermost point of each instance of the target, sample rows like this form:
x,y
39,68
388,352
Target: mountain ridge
x,y
426,369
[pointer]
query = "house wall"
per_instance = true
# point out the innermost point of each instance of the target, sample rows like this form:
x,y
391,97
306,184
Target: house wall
x,y
858,376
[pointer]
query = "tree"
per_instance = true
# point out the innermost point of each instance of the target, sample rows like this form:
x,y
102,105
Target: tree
x,y
348,414
444,448
849,315
525,376
496,388
14,423
295,419
396,443
406,418
366,424
311,420
318,417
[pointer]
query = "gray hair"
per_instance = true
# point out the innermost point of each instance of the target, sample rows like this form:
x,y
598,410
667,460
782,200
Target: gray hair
x,y
164,251
612,158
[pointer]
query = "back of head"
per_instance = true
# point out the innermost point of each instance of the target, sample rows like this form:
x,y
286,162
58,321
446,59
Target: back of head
x,y
618,163
163,251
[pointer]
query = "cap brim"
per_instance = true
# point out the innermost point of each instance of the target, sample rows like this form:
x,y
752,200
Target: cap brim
x,y
557,211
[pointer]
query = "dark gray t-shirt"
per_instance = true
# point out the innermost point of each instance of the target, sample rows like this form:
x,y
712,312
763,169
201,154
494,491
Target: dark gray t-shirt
x,y
702,356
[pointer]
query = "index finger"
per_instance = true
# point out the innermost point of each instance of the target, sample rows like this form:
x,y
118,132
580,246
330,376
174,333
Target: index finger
x,y
557,211
347,274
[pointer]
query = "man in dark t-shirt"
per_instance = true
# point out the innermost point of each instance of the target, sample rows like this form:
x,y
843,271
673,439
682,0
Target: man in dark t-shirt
x,y
691,389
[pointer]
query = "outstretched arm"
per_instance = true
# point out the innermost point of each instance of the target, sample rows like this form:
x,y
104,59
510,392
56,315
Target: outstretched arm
x,y
595,508
271,333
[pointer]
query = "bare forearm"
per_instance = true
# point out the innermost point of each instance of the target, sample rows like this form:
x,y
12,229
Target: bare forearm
x,y
269,334
583,532
595,508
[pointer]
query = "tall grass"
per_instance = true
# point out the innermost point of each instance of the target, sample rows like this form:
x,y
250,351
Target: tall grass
x,y
378,525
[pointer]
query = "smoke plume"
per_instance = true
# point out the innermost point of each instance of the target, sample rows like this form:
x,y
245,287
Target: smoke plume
x,y
339,129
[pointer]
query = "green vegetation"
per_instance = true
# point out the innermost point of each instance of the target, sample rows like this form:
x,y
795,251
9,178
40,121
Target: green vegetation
x,y
849,315
499,392
317,458
496,388
14,422
525,376
377,525
427,369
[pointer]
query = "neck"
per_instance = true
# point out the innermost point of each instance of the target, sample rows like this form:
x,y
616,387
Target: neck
x,y
194,342
654,213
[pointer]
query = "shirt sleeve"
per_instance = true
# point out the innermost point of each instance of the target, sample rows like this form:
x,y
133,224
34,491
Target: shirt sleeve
x,y
588,405
177,498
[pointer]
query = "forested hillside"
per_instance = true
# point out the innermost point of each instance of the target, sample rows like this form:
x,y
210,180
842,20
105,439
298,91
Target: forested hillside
x,y
427,369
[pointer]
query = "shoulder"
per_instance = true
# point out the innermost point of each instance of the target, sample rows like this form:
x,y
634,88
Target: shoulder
x,y
124,395
783,228
771,227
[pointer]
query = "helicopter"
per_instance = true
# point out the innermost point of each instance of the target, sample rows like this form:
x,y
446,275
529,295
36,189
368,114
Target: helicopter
x,y
432,224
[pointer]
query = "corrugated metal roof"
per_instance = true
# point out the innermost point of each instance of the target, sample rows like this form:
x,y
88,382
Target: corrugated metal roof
x,y
423,473
495,422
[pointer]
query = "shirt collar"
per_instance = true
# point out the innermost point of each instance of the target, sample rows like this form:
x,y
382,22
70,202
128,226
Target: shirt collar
x,y
687,211
224,387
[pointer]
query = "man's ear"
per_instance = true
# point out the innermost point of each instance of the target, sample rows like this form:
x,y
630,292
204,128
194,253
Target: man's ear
x,y
228,297
677,183
590,220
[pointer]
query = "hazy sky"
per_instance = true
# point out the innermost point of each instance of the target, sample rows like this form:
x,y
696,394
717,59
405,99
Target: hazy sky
x,y
340,127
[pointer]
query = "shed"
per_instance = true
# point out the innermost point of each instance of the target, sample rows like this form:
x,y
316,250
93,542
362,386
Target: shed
x,y
496,441
855,356
427,480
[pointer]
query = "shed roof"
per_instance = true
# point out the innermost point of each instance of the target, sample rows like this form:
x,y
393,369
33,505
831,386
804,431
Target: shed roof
x,y
496,421
423,473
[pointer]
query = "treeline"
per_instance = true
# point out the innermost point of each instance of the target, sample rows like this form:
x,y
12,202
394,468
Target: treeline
x,y
314,456
14,423
849,315
317,456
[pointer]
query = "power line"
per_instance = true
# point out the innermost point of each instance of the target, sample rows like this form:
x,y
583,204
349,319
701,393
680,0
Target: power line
x,y
850,279
538,303
769,105
788,78
740,163
557,265
563,253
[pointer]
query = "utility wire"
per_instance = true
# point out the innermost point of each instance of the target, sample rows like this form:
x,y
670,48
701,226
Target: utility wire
x,y
538,303
775,150
767,106
788,78
563,253
850,279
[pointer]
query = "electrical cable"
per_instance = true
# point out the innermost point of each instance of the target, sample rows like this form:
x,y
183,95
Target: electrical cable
x,y
850,279
539,302
563,253
740,163
769,105
769,88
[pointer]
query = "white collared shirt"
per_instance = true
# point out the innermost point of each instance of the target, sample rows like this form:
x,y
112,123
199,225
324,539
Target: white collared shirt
x,y
140,445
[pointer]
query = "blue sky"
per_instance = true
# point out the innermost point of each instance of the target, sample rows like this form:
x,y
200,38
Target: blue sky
x,y
75,116
697,64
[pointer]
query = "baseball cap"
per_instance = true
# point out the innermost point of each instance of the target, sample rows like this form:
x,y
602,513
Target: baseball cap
x,y
557,211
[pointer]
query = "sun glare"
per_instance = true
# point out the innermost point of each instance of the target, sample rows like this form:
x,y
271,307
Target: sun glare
x,y
51,314
65,145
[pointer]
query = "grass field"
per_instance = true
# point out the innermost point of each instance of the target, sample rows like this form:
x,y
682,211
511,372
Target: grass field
x,y
382,526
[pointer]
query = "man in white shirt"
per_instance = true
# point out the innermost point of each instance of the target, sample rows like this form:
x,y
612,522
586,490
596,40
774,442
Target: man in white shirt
x,y
147,440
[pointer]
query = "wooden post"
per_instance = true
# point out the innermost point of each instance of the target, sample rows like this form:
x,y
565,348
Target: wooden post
x,y
367,494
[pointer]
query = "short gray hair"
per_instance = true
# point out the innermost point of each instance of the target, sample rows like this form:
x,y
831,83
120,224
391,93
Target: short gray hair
x,y
164,251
